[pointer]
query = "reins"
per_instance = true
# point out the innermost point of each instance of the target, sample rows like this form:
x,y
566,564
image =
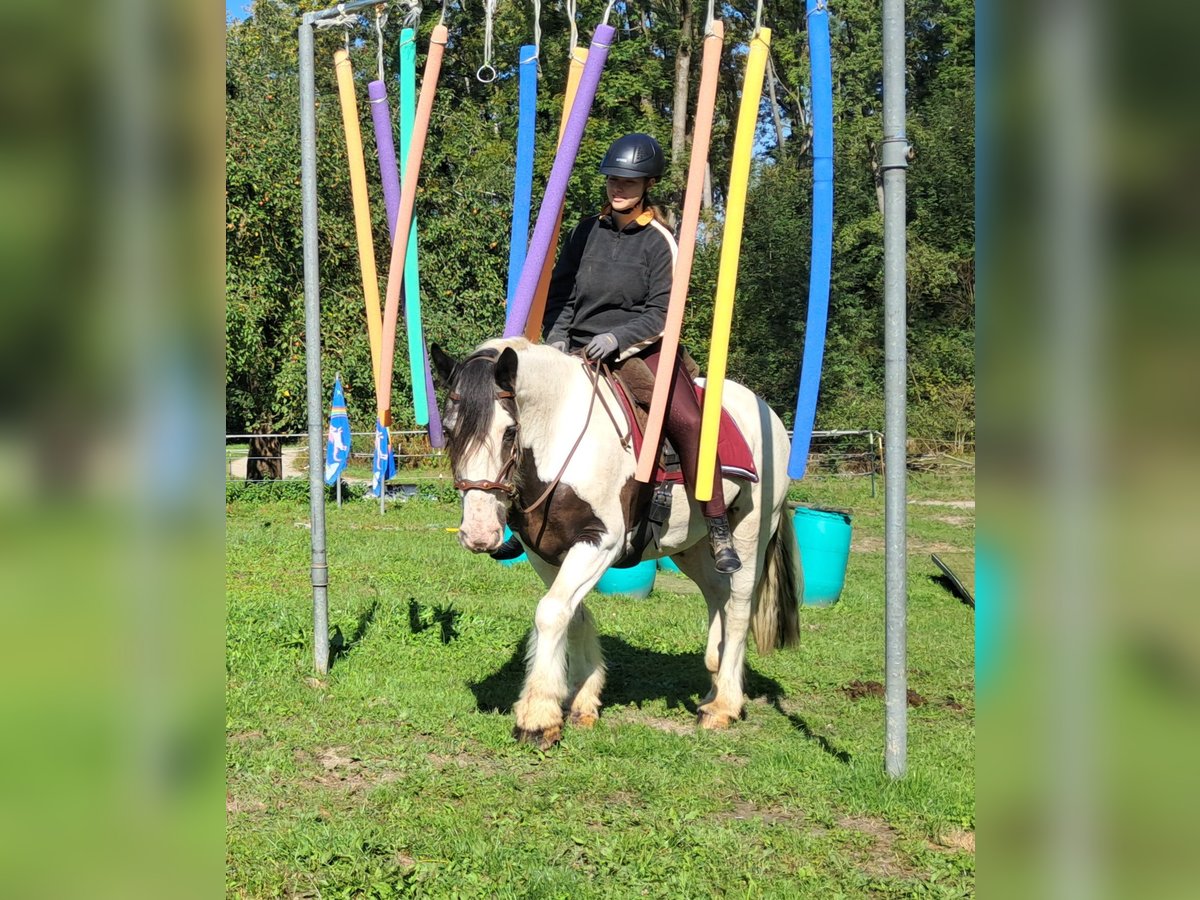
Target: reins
x,y
594,373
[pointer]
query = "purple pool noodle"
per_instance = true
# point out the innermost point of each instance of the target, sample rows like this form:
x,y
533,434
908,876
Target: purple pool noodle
x,y
556,186
436,439
381,115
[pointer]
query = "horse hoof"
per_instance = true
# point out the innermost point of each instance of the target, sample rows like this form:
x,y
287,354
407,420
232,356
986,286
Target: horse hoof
x,y
543,739
584,720
713,721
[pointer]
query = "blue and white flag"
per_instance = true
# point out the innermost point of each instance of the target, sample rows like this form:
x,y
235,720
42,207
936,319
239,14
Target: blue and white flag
x,y
337,447
383,466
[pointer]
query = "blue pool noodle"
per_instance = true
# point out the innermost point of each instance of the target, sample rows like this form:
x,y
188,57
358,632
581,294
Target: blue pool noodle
x,y
523,180
822,240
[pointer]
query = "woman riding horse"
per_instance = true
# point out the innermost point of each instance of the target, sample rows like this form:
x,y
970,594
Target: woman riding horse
x,y
608,297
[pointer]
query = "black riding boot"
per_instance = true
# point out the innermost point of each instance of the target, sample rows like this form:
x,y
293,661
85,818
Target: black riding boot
x,y
510,549
719,536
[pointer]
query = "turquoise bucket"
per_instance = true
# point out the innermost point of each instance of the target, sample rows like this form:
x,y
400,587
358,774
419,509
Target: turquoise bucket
x,y
511,562
666,564
637,581
823,536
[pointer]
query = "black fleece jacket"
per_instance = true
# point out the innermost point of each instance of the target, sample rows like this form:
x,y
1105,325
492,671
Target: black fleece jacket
x,y
612,280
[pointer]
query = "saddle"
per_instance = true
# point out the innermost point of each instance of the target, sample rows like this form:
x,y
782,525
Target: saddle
x,y
633,383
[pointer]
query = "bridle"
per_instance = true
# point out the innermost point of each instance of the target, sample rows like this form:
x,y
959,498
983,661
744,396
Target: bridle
x,y
498,483
509,487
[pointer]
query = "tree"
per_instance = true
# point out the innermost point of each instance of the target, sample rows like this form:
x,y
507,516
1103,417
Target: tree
x,y
464,200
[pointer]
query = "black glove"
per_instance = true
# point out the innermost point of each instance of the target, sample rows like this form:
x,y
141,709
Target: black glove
x,y
601,346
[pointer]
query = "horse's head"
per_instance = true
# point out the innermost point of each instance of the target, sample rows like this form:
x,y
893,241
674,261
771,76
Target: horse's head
x,y
480,421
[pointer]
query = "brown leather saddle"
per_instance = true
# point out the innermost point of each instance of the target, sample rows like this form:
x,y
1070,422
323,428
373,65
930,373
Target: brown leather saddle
x,y
633,384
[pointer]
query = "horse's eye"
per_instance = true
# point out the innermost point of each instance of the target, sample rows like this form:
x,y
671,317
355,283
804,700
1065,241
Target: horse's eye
x,y
510,433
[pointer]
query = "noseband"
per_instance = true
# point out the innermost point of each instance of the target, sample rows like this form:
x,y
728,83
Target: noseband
x,y
503,480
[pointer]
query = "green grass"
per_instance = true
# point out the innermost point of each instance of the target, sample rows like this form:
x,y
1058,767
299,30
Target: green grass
x,y
396,775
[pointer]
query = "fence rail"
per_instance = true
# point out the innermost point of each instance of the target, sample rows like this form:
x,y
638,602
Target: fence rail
x,y
842,453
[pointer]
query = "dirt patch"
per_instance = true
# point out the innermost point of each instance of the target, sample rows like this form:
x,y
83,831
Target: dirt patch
x,y
660,723
462,760
241,737
955,504
341,769
234,805
957,521
671,726
856,690
956,839
333,759
873,544
744,810
730,760
881,858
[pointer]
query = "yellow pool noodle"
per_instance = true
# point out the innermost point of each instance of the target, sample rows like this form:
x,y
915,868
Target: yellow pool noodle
x,y
731,245
362,211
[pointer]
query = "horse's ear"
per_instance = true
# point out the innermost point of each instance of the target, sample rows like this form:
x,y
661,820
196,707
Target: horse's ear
x,y
442,363
506,370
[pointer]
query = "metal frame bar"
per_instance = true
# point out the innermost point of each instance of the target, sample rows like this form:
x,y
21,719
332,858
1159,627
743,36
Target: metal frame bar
x,y
894,162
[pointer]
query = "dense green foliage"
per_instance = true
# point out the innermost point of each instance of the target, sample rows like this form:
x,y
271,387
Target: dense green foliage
x,y
464,201
397,775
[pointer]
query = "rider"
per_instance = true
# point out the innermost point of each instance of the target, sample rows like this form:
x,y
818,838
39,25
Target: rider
x,y
609,296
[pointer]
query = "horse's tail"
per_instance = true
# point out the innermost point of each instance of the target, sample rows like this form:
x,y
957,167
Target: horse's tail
x,y
775,617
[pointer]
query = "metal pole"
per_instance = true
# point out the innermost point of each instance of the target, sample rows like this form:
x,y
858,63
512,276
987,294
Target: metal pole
x,y
894,162
312,346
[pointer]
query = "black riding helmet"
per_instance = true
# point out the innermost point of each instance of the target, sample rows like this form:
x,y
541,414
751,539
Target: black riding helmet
x,y
634,156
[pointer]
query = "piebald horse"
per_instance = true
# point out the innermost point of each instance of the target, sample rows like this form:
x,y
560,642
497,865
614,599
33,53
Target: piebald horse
x,y
522,420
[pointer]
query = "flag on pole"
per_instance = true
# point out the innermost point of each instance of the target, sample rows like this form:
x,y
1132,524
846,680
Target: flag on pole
x,y
337,448
383,466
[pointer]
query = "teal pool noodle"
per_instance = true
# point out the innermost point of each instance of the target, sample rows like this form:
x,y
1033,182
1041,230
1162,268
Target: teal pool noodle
x,y
523,179
417,364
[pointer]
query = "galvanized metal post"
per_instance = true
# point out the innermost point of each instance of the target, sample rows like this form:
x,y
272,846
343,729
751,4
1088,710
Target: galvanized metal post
x,y
894,162
312,346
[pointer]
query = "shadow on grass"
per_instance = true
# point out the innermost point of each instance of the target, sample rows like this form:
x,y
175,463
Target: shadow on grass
x,y
339,646
443,616
636,676
956,591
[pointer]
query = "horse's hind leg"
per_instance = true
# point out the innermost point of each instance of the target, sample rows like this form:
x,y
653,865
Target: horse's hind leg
x,y
585,668
697,564
728,599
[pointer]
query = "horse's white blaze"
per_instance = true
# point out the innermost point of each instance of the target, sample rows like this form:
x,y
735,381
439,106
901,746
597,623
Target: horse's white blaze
x,y
484,512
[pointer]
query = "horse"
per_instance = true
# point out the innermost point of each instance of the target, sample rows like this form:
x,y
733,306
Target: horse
x,y
527,451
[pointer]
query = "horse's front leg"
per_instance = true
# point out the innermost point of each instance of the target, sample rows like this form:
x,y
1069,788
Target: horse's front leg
x,y
539,711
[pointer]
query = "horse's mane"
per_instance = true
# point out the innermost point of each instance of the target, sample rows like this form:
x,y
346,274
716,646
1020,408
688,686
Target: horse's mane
x,y
474,380
474,383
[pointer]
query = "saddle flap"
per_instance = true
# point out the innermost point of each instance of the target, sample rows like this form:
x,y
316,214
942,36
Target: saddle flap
x,y
633,383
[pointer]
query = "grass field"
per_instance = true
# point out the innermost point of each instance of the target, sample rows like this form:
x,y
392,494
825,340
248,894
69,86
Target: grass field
x,y
396,775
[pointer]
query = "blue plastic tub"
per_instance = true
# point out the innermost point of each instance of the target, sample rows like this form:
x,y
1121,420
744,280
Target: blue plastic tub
x,y
511,562
666,564
637,581
823,536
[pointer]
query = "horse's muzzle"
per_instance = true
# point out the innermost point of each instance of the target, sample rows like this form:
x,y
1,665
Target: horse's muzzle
x,y
484,542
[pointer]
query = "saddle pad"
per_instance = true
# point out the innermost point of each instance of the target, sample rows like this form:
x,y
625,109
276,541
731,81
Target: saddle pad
x,y
736,459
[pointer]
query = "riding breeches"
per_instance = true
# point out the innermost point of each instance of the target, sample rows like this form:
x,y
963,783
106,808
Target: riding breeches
x,y
682,426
